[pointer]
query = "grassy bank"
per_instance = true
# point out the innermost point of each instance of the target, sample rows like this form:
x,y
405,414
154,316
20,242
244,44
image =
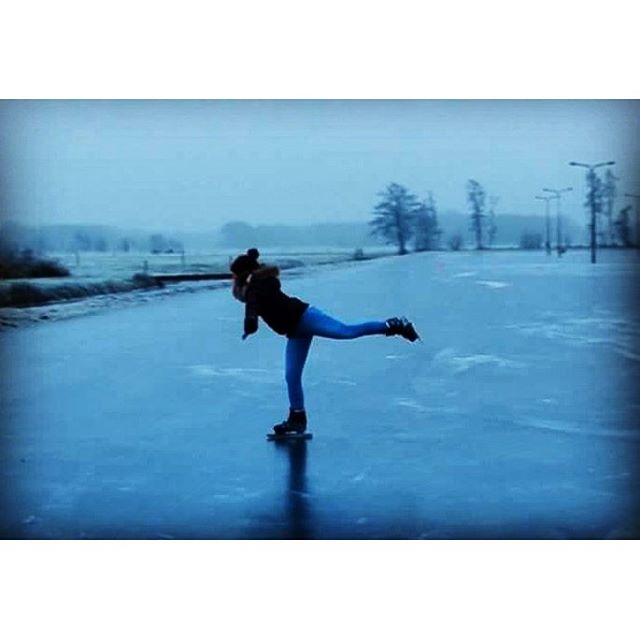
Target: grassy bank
x,y
46,291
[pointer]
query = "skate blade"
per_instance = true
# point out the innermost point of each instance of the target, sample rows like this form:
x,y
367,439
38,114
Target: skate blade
x,y
289,436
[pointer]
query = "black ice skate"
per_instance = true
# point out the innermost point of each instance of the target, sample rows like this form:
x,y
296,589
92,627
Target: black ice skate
x,y
401,327
293,427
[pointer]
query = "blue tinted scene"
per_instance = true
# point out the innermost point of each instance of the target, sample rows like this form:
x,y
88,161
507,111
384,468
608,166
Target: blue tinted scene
x,y
443,295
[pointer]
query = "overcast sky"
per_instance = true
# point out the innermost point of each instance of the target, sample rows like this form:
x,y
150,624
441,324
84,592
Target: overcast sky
x,y
189,165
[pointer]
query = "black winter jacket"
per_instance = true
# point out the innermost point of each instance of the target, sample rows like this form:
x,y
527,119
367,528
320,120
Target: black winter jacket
x,y
263,297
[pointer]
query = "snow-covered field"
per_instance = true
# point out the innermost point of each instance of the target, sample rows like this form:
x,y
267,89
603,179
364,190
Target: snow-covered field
x,y
517,416
100,280
96,268
124,265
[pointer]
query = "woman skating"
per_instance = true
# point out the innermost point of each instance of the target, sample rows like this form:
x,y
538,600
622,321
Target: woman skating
x,y
258,286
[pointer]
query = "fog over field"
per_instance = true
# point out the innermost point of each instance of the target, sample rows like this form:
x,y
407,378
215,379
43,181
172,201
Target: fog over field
x,y
195,165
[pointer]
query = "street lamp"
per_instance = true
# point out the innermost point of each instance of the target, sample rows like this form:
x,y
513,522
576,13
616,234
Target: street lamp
x,y
547,243
591,175
557,193
636,197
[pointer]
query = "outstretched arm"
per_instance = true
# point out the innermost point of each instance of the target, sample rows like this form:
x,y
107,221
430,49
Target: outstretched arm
x,y
250,314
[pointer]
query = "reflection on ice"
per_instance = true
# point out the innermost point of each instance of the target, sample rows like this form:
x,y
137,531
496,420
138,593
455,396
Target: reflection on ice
x,y
298,525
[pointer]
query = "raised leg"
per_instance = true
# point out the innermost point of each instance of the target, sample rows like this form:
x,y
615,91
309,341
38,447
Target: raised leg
x,y
316,323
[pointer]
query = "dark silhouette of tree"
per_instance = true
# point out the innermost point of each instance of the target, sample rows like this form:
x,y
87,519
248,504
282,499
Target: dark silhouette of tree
x,y
492,229
609,195
426,230
623,226
394,216
594,201
476,197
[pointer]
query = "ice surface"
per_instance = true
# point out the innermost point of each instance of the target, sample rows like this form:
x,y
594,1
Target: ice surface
x,y
460,363
516,416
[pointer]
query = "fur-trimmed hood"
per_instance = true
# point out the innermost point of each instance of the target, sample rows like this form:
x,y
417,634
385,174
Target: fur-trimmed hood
x,y
265,271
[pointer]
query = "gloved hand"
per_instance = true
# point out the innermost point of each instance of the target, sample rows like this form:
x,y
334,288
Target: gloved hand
x,y
250,326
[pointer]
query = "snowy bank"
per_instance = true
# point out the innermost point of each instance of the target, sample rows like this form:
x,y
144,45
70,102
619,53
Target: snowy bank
x,y
46,291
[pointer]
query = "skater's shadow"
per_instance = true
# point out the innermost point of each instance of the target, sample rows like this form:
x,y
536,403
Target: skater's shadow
x,y
296,507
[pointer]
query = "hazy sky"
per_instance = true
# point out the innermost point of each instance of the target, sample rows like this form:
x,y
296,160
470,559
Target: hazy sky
x,y
193,165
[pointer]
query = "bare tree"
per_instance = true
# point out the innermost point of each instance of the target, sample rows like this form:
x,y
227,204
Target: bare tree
x,y
609,193
476,196
623,226
427,231
492,229
594,202
394,216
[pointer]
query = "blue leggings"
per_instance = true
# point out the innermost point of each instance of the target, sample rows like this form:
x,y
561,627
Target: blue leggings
x,y
316,323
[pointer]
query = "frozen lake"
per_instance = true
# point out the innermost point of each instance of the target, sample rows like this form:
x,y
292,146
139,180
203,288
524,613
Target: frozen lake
x,y
517,417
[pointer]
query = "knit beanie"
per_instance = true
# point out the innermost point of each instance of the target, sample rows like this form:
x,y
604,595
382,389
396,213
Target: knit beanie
x,y
245,263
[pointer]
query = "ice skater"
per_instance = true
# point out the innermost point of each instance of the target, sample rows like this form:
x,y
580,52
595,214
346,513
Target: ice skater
x,y
258,287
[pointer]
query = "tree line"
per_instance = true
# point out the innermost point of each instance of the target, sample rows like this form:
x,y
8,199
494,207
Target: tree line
x,y
16,237
401,218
